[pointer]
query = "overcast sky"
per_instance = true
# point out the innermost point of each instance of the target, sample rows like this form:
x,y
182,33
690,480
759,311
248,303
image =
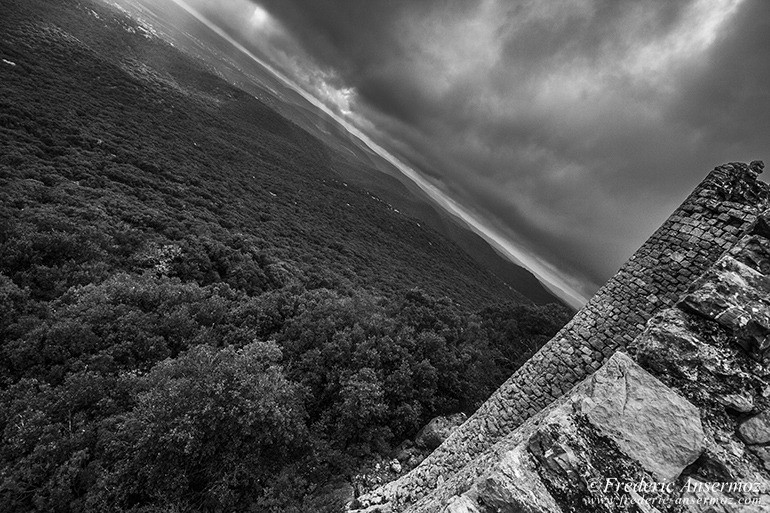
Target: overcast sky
x,y
571,127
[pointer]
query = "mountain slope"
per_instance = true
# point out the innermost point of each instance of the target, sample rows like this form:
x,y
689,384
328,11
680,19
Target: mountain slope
x,y
148,123
354,161
198,314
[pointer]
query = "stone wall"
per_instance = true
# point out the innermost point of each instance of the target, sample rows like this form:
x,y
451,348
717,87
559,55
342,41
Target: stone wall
x,y
692,411
709,222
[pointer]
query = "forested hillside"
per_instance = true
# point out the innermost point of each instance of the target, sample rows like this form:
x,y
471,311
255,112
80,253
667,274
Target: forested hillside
x,y
197,313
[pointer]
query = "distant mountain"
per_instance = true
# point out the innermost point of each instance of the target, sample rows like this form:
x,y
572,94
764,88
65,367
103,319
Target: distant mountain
x,y
353,160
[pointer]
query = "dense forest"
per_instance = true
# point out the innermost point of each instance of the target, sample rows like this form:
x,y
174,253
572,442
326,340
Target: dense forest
x,y
197,313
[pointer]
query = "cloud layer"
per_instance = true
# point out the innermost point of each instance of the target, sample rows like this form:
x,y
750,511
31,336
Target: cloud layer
x,y
571,127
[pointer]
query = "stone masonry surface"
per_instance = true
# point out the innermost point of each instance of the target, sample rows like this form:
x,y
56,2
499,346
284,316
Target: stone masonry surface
x,y
708,223
706,419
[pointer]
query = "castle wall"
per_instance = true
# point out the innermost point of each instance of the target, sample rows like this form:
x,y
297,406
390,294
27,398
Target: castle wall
x,y
719,331
709,222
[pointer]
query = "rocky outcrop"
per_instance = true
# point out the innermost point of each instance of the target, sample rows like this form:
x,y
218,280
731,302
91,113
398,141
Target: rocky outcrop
x,y
691,410
513,484
737,297
622,425
756,430
709,222
438,429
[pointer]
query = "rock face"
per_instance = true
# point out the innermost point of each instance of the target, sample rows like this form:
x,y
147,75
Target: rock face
x,y
737,297
512,486
622,423
690,402
737,402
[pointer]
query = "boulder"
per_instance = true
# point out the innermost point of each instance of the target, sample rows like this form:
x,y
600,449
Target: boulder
x,y
756,430
438,429
649,422
415,459
404,451
403,455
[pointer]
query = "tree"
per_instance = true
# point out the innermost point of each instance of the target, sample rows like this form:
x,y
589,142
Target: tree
x,y
362,411
208,430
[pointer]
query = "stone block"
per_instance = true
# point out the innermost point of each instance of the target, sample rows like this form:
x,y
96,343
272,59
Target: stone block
x,y
649,422
756,430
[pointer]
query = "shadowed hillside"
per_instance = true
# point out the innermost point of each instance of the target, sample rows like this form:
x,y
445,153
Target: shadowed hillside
x,y
187,150
198,313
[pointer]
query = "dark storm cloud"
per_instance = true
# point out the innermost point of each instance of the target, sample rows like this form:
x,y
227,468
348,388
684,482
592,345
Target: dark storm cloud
x,y
571,127
379,46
